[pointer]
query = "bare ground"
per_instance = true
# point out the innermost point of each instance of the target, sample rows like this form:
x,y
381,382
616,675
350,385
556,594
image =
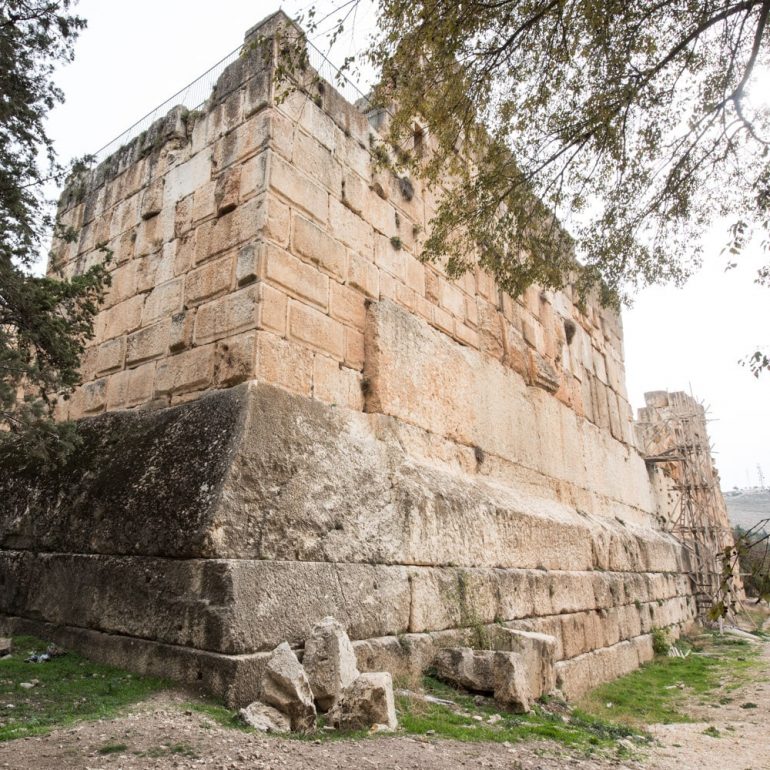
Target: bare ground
x,y
740,732
160,735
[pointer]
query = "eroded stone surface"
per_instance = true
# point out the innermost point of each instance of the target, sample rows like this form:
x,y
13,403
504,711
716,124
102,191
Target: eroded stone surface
x,y
367,702
486,671
285,686
265,718
329,661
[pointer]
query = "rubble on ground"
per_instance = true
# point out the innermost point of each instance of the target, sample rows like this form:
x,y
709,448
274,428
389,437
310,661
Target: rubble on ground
x,y
292,693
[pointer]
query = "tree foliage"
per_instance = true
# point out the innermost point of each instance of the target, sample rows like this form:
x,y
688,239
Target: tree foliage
x,y
752,548
629,121
44,320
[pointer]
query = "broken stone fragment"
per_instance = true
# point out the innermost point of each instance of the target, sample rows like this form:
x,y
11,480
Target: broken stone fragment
x,y
538,652
265,718
368,701
6,646
286,687
329,661
486,671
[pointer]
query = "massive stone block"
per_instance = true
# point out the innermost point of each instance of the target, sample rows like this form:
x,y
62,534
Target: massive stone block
x,y
237,521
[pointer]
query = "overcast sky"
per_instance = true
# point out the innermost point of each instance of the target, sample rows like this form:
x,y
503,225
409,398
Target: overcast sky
x,y
134,55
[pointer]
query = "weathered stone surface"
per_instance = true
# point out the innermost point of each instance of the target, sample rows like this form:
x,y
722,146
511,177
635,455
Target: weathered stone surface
x,y
456,392
368,701
329,661
265,718
119,467
486,671
6,646
286,687
538,653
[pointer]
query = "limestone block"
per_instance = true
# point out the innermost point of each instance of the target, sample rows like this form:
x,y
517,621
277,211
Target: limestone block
x,y
363,275
152,199
316,160
312,244
355,353
149,236
311,117
350,229
347,305
253,180
296,277
124,317
336,384
284,363
329,661
368,701
414,273
390,257
190,370
183,216
236,359
163,301
141,384
538,653
264,718
110,355
209,280
94,396
316,330
227,190
123,284
298,189
147,343
226,316
117,390
186,178
286,687
486,671
204,204
354,191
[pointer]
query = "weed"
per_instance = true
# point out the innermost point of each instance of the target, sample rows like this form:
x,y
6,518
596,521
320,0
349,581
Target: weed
x,y
660,642
712,731
112,748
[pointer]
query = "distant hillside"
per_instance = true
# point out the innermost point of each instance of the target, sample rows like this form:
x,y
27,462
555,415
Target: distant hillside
x,y
746,507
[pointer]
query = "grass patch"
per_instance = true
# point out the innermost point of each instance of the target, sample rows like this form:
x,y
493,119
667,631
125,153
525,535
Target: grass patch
x,y
657,692
112,748
171,750
67,689
217,713
481,720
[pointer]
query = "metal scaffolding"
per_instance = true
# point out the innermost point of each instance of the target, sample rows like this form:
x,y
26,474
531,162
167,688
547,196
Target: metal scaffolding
x,y
673,435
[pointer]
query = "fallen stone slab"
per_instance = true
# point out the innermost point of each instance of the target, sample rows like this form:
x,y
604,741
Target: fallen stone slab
x,y
329,661
367,702
538,652
265,718
286,687
486,671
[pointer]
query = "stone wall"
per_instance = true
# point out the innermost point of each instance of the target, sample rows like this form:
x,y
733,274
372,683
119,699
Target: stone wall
x,y
428,460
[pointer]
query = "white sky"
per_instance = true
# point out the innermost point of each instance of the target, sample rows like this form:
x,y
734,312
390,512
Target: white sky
x,y
136,54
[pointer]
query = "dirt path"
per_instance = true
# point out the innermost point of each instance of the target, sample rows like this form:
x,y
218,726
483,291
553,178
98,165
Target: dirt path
x,y
159,735
738,738
163,737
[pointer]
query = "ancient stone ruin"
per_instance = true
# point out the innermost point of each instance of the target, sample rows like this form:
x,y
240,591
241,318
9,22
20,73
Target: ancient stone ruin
x,y
288,416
